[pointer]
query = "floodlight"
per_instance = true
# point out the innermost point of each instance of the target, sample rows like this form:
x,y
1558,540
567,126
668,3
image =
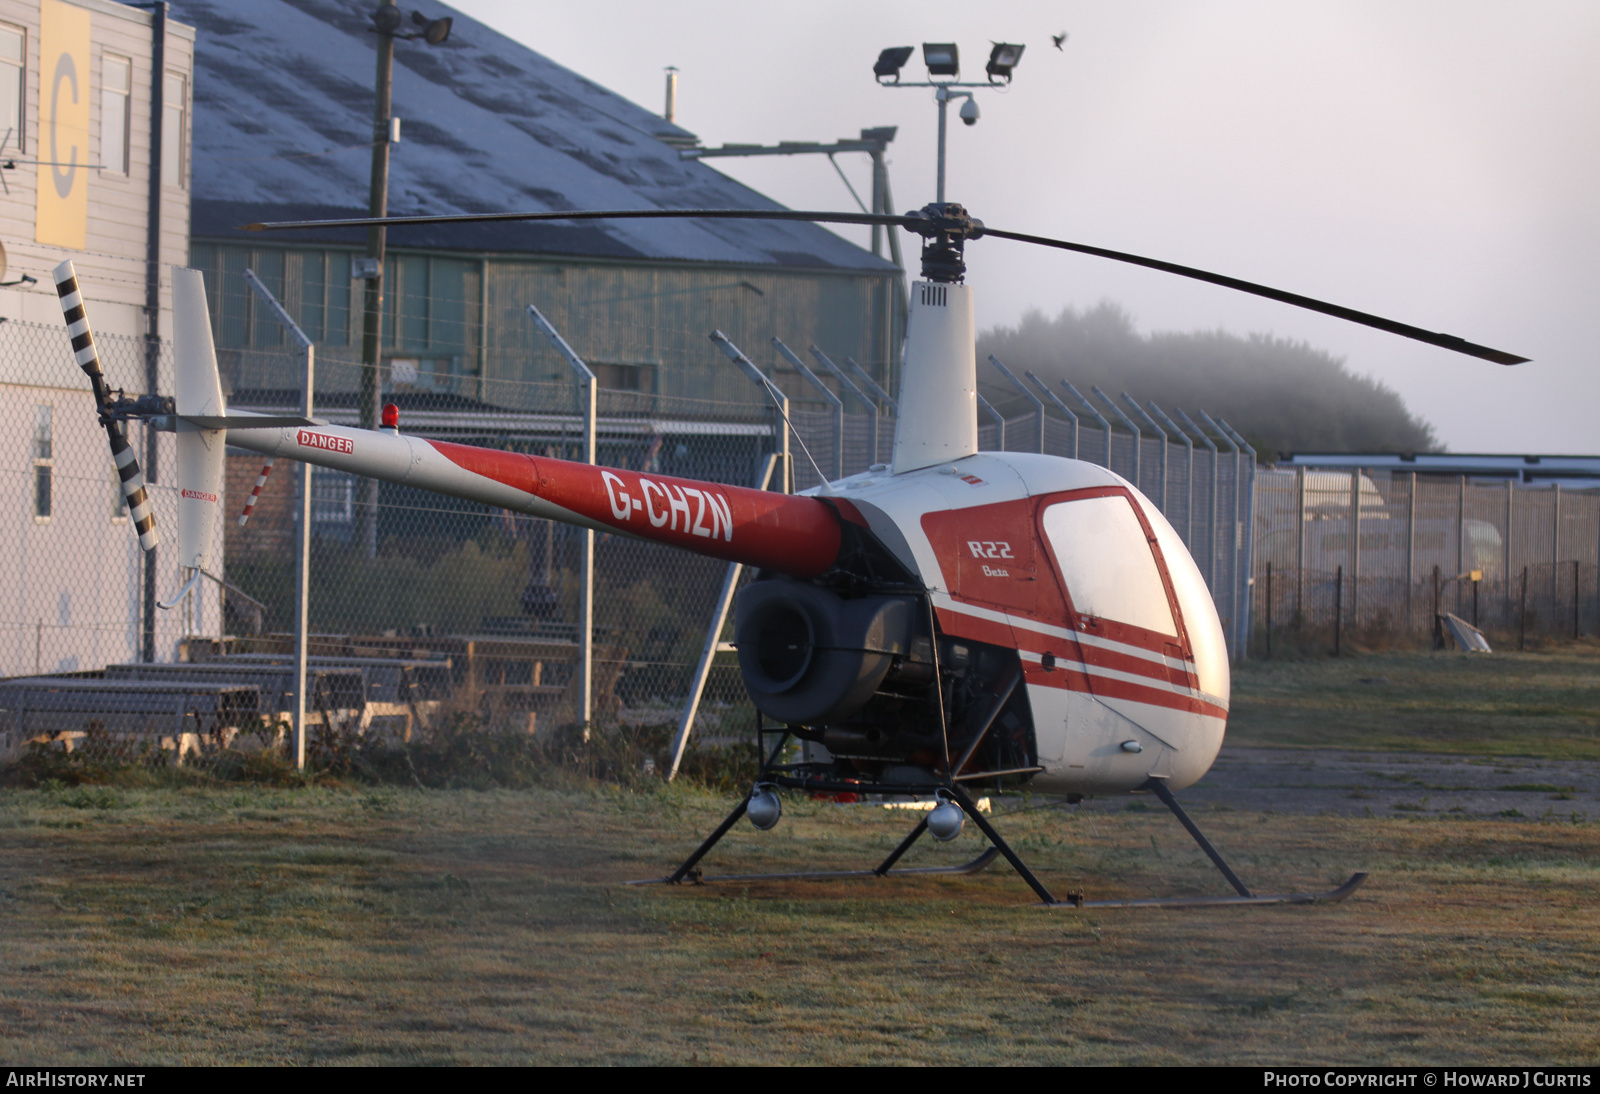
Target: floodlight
x,y
891,61
1002,59
942,58
434,31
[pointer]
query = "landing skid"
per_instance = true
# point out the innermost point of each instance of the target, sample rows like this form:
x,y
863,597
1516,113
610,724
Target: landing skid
x,y
690,869
1332,896
695,877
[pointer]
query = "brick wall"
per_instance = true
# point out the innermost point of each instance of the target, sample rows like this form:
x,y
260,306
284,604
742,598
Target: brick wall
x,y
271,528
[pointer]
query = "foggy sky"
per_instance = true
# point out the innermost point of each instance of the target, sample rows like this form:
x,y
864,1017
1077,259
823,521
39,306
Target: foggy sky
x,y
1434,162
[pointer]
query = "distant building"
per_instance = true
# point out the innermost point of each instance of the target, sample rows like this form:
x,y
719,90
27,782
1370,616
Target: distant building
x,y
76,82
283,125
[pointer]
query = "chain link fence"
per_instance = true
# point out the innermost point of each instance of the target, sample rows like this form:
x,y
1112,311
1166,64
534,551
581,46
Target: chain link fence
x,y
426,609
1375,557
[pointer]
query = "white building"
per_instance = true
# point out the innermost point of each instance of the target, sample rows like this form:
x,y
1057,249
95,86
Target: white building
x,y
79,82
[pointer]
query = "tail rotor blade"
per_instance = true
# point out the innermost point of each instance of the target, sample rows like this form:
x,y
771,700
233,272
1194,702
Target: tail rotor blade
x,y
83,347
88,358
133,491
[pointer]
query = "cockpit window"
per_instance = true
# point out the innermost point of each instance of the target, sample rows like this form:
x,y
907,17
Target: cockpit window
x,y
1107,564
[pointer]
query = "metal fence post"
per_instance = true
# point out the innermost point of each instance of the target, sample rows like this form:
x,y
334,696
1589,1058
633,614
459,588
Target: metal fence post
x,y
587,399
1439,622
828,395
1300,544
1522,612
1056,399
1269,609
1159,432
302,557
1411,546
1555,551
1020,386
1198,432
1234,536
1138,438
1095,414
849,387
714,643
1355,542
1247,586
1000,423
1338,607
1511,516
872,386
780,403
1188,474
1461,534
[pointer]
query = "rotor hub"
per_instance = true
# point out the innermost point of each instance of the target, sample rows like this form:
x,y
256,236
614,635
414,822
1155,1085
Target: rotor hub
x,y
945,230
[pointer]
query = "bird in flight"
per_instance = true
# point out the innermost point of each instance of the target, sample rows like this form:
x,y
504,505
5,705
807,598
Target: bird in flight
x,y
1058,39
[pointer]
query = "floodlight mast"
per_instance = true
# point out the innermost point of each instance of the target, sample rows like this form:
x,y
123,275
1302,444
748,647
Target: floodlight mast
x,y
386,23
943,59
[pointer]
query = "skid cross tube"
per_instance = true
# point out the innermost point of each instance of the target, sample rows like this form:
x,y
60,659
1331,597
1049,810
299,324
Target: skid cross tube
x,y
970,808
1159,788
905,845
711,841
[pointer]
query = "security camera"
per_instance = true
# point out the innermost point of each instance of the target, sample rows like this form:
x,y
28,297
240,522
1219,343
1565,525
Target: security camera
x,y
969,112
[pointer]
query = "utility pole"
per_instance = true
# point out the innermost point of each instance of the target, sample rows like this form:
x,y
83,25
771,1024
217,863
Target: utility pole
x,y
386,23
386,20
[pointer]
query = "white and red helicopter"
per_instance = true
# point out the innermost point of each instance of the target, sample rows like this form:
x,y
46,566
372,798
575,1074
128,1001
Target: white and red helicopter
x,y
954,618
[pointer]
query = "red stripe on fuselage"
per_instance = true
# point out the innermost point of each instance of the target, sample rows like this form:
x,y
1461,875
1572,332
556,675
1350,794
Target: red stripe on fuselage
x,y
798,536
1068,678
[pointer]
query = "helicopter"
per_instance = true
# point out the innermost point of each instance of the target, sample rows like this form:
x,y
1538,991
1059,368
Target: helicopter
x,y
953,618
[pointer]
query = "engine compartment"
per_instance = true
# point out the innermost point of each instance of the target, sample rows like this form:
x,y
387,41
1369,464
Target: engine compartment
x,y
862,672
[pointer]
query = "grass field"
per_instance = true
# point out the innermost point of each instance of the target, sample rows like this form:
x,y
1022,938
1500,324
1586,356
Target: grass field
x,y
489,927
1544,704
358,925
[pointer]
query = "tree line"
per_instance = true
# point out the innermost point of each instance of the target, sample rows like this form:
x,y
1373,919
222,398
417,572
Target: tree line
x,y
1282,395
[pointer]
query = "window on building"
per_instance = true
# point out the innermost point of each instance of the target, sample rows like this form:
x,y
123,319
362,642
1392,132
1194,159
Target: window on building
x,y
333,496
13,79
422,373
623,377
174,114
116,86
43,458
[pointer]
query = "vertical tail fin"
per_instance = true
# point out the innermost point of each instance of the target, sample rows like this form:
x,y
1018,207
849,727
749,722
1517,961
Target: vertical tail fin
x,y
198,391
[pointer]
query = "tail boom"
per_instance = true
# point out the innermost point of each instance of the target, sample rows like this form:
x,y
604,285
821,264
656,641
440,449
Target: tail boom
x,y
799,536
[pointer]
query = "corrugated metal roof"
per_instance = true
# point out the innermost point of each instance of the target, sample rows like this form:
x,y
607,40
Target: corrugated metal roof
x,y
283,110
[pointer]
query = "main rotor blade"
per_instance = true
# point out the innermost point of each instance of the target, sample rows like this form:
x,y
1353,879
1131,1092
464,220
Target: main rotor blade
x,y
609,214
922,225
1350,315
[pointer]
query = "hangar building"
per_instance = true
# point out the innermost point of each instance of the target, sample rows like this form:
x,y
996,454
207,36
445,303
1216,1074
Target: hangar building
x,y
283,130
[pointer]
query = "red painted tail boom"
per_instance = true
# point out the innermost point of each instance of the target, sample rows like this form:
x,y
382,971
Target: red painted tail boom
x,y
793,535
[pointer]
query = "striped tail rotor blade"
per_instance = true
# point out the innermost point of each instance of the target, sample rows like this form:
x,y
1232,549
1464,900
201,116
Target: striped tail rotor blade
x,y
255,495
144,521
83,347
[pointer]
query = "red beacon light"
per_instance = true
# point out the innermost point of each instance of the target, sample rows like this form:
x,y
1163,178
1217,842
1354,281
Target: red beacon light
x,y
391,418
